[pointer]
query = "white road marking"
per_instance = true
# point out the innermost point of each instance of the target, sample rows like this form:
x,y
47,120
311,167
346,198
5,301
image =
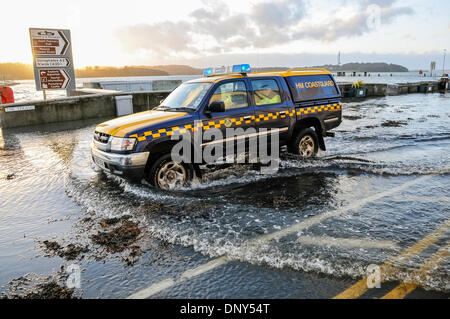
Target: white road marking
x,y
422,199
338,212
153,289
188,274
366,243
167,283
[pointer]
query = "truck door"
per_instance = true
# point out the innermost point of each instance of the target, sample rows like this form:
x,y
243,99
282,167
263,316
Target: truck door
x,y
271,111
239,114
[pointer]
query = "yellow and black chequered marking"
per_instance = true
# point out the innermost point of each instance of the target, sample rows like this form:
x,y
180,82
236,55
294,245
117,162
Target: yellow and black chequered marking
x,y
321,108
235,121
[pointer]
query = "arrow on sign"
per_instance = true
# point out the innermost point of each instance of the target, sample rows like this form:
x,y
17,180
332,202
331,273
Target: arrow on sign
x,y
52,62
45,42
53,79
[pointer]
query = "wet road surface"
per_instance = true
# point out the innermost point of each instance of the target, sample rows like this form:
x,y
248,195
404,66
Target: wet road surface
x,y
378,196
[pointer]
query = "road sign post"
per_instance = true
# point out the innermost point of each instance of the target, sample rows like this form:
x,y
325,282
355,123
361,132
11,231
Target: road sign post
x,y
52,59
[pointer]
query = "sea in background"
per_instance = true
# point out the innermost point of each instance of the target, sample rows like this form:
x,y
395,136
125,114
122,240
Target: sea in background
x,y
26,89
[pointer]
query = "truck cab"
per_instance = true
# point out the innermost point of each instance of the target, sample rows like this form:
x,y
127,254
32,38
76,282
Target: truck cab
x,y
300,106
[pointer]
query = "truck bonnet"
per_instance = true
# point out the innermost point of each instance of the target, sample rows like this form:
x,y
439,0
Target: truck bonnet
x,y
121,126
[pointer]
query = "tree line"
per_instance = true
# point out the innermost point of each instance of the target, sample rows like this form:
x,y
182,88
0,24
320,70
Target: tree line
x,y
21,71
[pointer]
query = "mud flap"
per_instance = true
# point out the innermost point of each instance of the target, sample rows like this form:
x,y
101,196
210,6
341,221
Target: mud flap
x,y
321,142
198,171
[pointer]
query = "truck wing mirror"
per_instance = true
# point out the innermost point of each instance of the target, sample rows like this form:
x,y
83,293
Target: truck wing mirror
x,y
216,107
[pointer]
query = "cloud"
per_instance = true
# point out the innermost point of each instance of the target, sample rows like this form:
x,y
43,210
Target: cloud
x,y
389,14
158,37
277,14
221,26
381,3
265,25
368,18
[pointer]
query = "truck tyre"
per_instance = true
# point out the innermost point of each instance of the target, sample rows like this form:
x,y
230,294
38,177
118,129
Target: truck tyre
x,y
305,143
167,174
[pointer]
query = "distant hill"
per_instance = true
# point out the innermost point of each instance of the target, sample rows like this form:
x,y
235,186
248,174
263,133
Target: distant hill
x,y
16,71
20,71
141,70
174,69
91,72
365,67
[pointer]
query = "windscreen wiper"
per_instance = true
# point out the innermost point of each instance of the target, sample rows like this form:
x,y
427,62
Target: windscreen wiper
x,y
176,109
162,107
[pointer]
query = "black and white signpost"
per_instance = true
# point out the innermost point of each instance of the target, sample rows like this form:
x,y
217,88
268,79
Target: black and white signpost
x,y
52,59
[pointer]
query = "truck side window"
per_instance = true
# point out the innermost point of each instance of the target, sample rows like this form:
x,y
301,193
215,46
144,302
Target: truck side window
x,y
308,87
233,94
266,92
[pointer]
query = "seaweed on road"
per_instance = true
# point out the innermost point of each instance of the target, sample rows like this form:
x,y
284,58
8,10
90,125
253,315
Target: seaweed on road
x,y
70,252
119,238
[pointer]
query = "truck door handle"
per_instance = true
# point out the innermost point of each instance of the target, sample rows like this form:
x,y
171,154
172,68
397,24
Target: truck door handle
x,y
284,112
248,117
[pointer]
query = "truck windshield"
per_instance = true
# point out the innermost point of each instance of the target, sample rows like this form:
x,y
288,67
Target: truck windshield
x,y
185,97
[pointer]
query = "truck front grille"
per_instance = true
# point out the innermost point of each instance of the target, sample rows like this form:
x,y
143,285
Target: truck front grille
x,y
101,137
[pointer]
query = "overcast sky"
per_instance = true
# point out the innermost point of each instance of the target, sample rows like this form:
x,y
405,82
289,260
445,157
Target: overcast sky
x,y
263,33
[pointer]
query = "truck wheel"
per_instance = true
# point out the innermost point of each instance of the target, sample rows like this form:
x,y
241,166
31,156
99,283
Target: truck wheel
x,y
168,174
305,144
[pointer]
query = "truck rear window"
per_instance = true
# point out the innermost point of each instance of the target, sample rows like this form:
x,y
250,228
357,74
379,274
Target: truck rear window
x,y
309,87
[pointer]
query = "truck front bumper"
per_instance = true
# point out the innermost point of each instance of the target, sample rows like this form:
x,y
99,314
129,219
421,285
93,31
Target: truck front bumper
x,y
129,166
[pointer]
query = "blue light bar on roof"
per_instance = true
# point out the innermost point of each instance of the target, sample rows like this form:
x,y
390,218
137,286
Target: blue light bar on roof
x,y
207,72
237,68
242,68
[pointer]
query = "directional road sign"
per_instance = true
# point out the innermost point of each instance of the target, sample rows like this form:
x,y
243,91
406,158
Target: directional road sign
x,y
52,55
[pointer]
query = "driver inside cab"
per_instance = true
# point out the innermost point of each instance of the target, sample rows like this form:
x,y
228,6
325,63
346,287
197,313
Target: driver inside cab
x,y
233,94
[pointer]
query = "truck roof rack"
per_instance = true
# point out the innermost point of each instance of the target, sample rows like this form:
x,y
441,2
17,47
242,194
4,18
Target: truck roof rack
x,y
222,74
306,70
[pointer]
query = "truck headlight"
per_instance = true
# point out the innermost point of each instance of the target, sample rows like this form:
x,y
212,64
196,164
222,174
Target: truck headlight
x,y
122,143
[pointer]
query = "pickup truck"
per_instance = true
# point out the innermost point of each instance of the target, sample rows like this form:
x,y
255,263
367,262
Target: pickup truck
x,y
300,105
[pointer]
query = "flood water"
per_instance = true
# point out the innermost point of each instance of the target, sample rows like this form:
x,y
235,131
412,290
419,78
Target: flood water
x,y
382,183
